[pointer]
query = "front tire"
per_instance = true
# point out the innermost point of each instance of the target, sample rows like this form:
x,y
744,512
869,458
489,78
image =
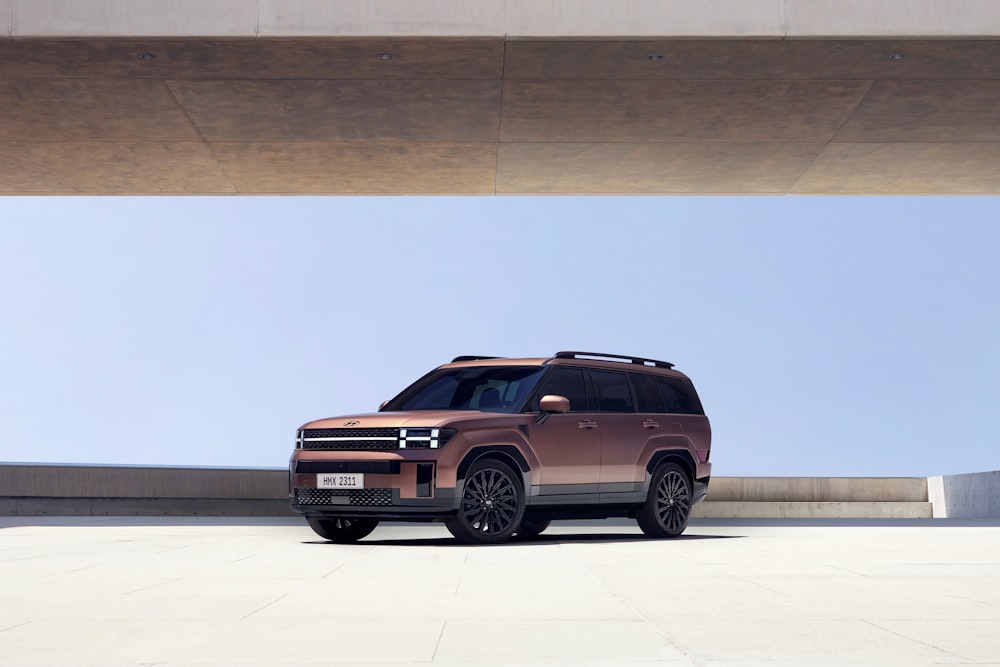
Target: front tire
x,y
530,528
492,504
342,531
668,502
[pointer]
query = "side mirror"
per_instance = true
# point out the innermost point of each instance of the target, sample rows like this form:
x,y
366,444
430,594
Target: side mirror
x,y
382,405
550,403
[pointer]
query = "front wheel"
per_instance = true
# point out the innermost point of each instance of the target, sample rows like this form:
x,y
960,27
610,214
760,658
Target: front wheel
x,y
492,504
668,503
530,528
342,531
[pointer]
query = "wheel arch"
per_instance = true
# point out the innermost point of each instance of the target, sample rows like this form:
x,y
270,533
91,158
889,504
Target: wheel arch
x,y
680,456
506,453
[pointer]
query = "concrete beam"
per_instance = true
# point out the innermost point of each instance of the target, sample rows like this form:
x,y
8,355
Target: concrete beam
x,y
136,18
892,18
500,18
5,22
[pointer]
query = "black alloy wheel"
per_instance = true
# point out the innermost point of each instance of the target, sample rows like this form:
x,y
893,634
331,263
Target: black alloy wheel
x,y
342,531
668,503
492,504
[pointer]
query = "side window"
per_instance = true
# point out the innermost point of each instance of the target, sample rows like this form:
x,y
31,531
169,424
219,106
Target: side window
x,y
679,396
613,394
647,396
568,382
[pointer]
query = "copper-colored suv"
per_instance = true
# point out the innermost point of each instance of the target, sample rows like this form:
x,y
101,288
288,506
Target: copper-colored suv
x,y
496,447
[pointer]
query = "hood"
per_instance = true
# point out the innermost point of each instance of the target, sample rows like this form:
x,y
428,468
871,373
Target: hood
x,y
414,419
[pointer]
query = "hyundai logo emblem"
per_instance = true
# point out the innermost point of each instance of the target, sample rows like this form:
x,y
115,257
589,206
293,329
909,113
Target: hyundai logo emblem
x,y
353,422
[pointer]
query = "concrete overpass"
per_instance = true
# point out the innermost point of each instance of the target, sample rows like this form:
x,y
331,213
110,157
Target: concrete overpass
x,y
499,97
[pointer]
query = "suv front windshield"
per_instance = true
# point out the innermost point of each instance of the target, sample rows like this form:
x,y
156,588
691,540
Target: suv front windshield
x,y
486,388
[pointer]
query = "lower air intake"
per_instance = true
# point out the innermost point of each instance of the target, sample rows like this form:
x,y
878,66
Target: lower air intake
x,y
357,497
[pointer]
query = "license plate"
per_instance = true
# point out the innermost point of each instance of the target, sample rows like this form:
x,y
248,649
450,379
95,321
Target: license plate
x,y
340,480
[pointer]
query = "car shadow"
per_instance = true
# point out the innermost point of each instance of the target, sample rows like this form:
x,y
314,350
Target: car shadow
x,y
540,540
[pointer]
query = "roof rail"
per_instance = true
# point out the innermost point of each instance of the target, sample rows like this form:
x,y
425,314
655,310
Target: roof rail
x,y
640,361
472,357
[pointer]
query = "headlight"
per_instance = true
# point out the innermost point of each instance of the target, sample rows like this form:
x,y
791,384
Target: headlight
x,y
425,438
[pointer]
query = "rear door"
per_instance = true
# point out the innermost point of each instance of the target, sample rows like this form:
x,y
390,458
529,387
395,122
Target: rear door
x,y
630,414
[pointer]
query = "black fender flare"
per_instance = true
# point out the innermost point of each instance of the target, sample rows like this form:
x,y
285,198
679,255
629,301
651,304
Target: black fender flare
x,y
681,456
506,453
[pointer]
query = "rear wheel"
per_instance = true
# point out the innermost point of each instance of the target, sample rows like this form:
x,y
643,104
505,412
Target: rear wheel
x,y
668,502
492,504
342,531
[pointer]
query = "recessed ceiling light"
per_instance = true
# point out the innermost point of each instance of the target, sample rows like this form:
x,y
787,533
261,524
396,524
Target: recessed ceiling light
x,y
386,56
898,56
654,56
147,56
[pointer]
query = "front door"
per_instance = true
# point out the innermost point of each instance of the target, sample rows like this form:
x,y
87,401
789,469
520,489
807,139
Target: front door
x,y
568,445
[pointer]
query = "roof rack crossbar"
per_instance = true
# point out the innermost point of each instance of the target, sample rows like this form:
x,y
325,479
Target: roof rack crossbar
x,y
471,357
640,361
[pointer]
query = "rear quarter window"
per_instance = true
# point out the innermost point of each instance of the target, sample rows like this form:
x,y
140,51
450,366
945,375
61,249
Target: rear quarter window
x,y
679,396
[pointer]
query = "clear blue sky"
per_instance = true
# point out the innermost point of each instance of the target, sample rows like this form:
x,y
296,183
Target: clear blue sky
x,y
826,336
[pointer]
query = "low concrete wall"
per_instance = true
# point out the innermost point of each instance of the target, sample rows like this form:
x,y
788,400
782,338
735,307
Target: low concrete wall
x,y
972,496
68,490
818,489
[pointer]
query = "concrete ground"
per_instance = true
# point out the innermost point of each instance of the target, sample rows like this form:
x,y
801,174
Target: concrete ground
x,y
141,591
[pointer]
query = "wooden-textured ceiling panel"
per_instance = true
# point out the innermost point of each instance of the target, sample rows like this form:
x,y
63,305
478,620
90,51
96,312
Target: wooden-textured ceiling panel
x,y
91,110
352,167
634,110
751,59
904,168
436,110
110,168
650,168
931,111
483,115
254,59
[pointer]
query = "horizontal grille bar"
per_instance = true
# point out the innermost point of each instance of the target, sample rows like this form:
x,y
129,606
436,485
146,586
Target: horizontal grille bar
x,y
350,444
360,433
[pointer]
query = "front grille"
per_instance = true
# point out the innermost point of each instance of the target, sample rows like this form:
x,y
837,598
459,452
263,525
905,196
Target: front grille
x,y
352,444
349,438
334,439
360,433
358,497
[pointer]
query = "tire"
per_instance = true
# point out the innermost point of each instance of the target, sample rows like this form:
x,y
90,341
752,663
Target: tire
x,y
492,504
668,502
530,528
342,531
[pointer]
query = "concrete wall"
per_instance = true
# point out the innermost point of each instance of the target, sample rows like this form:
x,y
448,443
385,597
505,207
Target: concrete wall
x,y
515,18
818,489
33,490
972,496
54,490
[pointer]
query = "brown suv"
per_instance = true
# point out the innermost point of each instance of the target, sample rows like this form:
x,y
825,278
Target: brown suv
x,y
497,447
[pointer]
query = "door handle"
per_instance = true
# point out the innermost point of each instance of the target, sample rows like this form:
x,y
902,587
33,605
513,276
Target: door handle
x,y
587,424
649,423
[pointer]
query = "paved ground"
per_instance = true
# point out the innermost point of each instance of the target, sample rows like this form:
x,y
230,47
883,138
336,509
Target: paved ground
x,y
110,591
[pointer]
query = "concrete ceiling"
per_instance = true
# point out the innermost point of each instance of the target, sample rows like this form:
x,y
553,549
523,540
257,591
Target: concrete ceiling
x,y
495,116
